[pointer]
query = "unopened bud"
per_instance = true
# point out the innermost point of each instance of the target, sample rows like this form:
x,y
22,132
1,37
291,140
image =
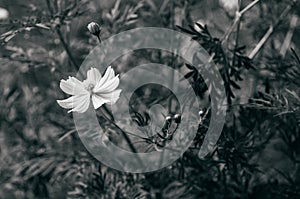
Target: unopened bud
x,y
168,118
94,28
3,13
202,112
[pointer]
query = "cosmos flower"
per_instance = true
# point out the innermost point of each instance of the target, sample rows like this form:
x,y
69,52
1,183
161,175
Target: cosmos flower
x,y
95,88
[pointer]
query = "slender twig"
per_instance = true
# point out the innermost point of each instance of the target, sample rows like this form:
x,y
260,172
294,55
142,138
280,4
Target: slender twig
x,y
261,42
99,39
230,30
163,6
124,134
289,35
49,7
211,58
171,82
265,38
248,7
237,19
66,47
62,39
236,39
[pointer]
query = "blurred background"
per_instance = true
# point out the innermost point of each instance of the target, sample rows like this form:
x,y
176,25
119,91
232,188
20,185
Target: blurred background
x,y
255,45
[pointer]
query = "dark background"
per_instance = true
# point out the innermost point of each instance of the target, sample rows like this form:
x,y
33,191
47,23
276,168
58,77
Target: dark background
x,y
257,155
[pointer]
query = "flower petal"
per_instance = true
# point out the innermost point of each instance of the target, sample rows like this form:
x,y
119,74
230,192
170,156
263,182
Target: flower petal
x,y
98,101
108,86
109,74
110,97
93,76
78,103
115,96
72,86
82,106
66,103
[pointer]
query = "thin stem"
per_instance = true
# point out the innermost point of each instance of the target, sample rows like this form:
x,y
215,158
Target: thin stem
x,y
236,41
265,38
49,7
211,58
248,7
123,132
230,30
99,39
171,82
132,134
237,19
61,38
289,35
261,42
66,47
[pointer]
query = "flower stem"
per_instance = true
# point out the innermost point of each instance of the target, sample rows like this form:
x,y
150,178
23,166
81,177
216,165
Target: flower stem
x,y
99,39
236,45
289,35
122,131
248,7
66,47
237,19
61,38
265,38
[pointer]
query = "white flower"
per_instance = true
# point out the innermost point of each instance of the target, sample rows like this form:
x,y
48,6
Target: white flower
x,y
231,6
96,88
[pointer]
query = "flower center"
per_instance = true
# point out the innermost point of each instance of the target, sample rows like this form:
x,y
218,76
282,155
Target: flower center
x,y
90,88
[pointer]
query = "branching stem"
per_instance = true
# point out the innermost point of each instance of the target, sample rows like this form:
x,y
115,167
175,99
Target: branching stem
x,y
66,47
271,29
62,39
237,19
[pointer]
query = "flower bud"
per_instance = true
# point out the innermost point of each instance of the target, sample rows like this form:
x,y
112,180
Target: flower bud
x,y
3,13
201,113
94,28
168,118
177,118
